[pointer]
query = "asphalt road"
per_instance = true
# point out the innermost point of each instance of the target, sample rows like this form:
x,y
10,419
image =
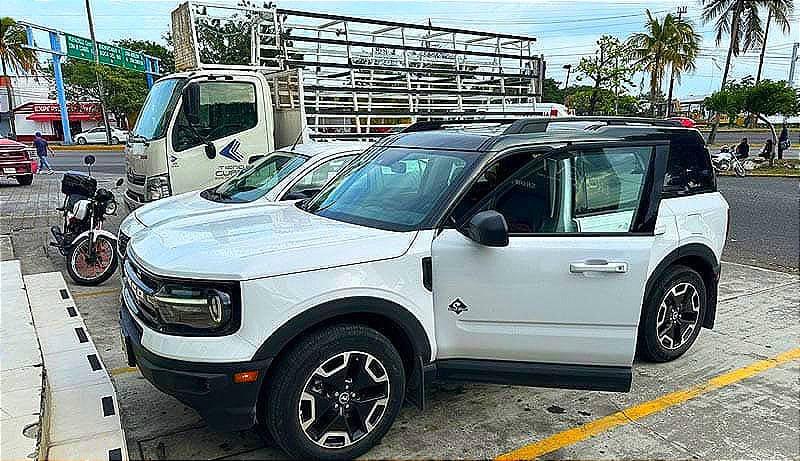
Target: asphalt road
x,y
106,162
765,221
765,218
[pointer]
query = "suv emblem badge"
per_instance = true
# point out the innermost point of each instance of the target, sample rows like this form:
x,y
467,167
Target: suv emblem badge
x,y
458,306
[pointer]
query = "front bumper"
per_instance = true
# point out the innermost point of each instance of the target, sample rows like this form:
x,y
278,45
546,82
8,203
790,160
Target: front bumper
x,y
133,199
207,387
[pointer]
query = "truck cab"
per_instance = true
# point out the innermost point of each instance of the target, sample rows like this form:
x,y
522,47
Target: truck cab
x,y
199,128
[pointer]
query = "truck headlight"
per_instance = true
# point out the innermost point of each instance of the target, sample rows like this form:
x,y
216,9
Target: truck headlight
x,y
157,187
192,309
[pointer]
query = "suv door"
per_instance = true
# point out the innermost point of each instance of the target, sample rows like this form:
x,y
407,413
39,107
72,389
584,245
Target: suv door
x,y
568,288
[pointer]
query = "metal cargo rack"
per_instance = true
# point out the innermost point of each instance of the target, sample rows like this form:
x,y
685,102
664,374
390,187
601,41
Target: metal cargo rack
x,y
368,77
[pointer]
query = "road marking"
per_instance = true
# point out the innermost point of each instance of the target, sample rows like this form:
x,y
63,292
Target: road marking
x,y
123,370
95,293
629,415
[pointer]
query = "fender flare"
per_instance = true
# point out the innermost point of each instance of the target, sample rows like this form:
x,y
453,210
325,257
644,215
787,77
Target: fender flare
x,y
710,273
350,307
95,233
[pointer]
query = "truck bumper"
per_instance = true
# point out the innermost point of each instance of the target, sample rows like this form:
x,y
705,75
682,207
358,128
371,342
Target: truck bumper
x,y
209,388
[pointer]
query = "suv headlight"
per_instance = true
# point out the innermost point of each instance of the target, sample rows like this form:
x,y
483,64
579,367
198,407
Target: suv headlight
x,y
183,306
157,187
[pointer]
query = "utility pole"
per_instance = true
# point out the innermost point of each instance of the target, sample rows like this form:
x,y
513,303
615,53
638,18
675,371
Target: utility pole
x,y
681,11
97,74
793,64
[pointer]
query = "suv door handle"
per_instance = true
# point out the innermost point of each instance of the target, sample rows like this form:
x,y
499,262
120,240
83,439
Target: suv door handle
x,y
598,266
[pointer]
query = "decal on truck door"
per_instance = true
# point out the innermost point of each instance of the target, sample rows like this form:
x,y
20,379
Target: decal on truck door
x,y
231,151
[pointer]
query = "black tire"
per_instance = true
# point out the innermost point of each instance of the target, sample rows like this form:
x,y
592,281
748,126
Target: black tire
x,y
81,141
281,410
738,168
25,180
114,140
81,245
678,316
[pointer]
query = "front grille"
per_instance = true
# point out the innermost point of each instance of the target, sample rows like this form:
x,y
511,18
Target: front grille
x,y
122,244
137,179
137,284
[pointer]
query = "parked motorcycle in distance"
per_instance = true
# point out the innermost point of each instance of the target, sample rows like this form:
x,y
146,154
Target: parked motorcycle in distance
x,y
90,252
725,159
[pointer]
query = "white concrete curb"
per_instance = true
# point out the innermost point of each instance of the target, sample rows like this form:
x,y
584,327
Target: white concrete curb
x,y
21,372
84,420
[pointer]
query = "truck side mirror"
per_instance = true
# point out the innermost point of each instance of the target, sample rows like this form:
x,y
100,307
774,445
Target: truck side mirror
x,y
191,103
488,228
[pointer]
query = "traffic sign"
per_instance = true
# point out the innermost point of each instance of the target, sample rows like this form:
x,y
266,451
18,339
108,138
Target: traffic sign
x,y
82,48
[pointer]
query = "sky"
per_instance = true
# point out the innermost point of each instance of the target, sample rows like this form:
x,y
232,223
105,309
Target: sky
x,y
565,29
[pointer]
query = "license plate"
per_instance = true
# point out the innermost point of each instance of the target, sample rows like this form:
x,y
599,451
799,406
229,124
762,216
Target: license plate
x,y
9,170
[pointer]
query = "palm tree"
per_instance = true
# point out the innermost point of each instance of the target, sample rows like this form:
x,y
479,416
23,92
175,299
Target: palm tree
x,y
774,10
14,56
741,20
671,43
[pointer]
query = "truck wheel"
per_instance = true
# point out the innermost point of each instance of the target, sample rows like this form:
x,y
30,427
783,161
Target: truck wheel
x,y
673,314
335,393
25,180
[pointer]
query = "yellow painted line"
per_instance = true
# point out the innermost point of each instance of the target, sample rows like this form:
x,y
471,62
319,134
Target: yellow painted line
x,y
628,415
95,293
122,371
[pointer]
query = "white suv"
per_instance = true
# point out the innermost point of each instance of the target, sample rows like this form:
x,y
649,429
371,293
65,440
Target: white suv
x,y
534,252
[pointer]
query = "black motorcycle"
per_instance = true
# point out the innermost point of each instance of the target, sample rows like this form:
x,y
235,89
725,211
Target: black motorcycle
x,y
90,251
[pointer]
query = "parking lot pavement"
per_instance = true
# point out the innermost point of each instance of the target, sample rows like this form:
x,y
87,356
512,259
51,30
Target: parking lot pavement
x,y
726,398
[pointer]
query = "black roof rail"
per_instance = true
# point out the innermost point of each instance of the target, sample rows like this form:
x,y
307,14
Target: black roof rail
x,y
431,125
539,125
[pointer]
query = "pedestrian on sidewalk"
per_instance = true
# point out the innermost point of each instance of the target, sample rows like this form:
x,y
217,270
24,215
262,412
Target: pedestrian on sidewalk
x,y
42,150
783,141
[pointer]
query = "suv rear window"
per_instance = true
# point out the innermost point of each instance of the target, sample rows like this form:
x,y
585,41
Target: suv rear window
x,y
689,169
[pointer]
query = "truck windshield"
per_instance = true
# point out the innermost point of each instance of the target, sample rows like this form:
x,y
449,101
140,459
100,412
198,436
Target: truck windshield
x,y
157,109
397,189
255,181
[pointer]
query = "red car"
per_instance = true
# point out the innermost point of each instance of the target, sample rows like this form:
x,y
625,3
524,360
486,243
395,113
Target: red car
x,y
684,121
15,162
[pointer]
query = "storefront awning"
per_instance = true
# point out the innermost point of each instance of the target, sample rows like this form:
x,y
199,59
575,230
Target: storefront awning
x,y
56,117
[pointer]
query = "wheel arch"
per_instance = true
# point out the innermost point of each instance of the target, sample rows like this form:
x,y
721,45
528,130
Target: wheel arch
x,y
702,259
389,318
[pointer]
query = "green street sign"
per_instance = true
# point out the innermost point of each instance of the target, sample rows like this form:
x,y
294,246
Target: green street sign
x,y
81,48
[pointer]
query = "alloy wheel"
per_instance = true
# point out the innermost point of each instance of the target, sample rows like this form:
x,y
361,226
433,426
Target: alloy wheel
x,y
344,399
678,316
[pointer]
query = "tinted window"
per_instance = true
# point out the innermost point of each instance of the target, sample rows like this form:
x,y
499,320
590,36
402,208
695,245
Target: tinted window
x,y
226,108
316,178
689,170
589,191
258,179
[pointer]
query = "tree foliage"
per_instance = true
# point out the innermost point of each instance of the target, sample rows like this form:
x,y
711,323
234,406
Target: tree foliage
x,y
13,55
609,69
606,103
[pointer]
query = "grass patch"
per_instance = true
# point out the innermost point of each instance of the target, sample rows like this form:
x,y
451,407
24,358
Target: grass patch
x,y
781,168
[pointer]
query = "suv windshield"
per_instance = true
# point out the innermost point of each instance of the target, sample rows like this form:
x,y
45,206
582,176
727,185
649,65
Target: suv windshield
x,y
255,181
157,110
397,189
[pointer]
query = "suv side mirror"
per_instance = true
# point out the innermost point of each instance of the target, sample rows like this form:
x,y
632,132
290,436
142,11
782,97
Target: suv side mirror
x,y
488,228
191,103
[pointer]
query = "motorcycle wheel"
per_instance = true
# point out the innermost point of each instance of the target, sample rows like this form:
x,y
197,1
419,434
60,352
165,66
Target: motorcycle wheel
x,y
87,270
739,170
723,165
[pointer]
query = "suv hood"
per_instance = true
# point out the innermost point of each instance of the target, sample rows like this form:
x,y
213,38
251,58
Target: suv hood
x,y
237,243
184,206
